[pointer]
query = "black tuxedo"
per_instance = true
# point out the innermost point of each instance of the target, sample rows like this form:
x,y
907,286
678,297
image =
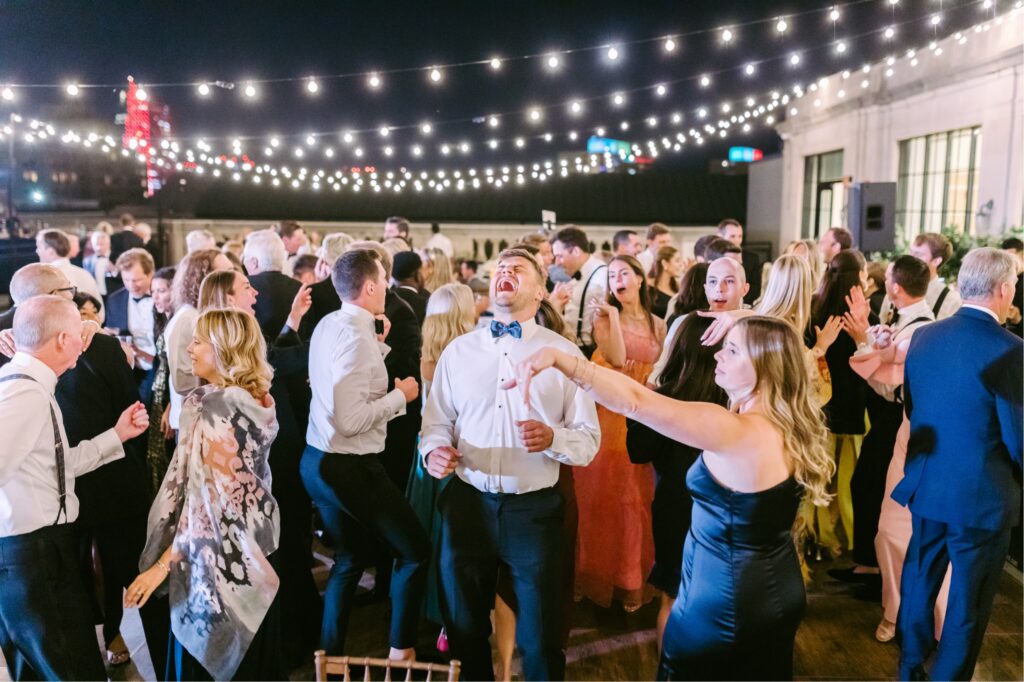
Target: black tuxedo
x,y
325,301
113,499
122,241
417,300
117,318
274,302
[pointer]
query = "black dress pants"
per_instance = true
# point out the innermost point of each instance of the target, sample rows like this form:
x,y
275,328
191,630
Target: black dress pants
x,y
480,532
359,507
867,486
46,632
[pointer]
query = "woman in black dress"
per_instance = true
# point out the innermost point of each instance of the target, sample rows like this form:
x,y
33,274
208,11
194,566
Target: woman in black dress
x,y
741,597
689,375
664,278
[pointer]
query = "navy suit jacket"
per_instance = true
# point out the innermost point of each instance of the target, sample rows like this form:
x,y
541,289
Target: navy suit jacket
x,y
963,390
117,311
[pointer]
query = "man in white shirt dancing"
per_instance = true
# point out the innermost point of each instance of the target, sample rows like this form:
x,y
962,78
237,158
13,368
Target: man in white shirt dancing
x,y
503,507
341,467
46,629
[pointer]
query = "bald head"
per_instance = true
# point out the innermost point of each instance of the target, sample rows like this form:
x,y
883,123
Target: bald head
x,y
36,279
725,285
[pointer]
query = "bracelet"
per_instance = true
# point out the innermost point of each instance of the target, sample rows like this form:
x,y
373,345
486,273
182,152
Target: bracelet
x,y
164,566
585,378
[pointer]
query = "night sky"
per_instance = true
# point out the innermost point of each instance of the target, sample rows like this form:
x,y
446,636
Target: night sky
x,y
52,42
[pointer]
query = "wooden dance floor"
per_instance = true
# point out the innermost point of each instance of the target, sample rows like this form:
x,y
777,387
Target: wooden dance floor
x,y
835,642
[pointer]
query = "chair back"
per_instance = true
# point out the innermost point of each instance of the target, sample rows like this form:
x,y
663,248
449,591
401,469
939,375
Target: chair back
x,y
341,665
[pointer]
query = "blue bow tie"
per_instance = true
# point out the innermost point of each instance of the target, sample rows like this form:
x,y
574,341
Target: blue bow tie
x,y
499,329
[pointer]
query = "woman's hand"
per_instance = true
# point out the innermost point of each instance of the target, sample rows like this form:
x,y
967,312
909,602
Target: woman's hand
x,y
300,306
144,585
165,423
525,370
828,334
724,321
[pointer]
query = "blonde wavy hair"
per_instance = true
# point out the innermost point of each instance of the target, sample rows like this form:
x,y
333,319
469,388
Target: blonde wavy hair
x,y
789,292
239,349
442,273
215,289
451,313
776,351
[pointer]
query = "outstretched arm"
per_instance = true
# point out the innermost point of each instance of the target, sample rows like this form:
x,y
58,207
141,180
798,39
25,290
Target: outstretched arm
x,y
701,425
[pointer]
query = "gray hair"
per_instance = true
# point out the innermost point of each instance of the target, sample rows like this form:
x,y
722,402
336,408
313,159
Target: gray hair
x,y
143,230
983,270
36,279
333,246
41,318
197,240
267,249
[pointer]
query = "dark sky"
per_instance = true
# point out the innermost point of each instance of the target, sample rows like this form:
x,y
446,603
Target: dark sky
x,y
43,41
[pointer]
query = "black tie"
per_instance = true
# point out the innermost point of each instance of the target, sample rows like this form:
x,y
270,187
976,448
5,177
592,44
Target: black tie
x,y
140,298
578,276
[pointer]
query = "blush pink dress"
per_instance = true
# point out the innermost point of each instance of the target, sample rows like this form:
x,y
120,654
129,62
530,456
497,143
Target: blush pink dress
x,y
615,545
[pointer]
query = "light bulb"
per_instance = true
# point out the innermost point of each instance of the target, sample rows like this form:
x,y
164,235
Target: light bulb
x,y
794,59
781,25
841,47
435,75
250,90
7,94
346,138
705,81
618,99
935,19
702,113
553,61
520,142
417,150
426,128
141,95
373,81
534,115
312,86
889,33
727,36
384,131
493,121
72,89
575,107
495,63
749,69
833,14
203,90
660,90
670,45
310,140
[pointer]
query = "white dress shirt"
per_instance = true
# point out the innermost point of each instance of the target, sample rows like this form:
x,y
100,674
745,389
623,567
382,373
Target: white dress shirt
x,y
177,336
101,264
950,304
442,243
596,293
82,280
902,331
646,259
467,410
351,404
140,326
29,496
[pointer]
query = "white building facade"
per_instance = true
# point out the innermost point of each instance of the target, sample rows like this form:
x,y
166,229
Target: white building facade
x,y
944,122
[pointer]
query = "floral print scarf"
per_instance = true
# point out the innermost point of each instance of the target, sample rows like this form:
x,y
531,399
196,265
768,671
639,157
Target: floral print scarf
x,y
215,510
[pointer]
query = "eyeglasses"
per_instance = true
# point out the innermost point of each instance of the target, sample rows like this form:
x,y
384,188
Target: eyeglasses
x,y
72,291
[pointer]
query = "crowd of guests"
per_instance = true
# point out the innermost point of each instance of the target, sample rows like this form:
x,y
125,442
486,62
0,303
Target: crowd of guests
x,y
493,441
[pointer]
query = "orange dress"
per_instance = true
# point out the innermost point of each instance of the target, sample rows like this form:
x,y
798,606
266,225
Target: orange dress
x,y
615,545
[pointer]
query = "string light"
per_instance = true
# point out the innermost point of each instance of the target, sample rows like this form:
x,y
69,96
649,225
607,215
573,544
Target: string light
x,y
493,121
613,53
660,90
426,128
705,81
575,107
203,89
749,69
373,81
553,61
435,75
384,131
670,45
781,25
534,115
249,90
889,33
833,14
141,94
935,19
312,86
794,59
841,47
72,90
618,99
727,36
495,64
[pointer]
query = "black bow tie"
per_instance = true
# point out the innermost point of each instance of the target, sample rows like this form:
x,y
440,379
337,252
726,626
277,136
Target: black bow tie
x,y
578,276
141,297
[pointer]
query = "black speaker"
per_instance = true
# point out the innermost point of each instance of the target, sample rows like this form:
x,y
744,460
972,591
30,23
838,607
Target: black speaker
x,y
871,213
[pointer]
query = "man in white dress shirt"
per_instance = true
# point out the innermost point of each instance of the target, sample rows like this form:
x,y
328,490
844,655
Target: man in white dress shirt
x,y
53,247
46,631
934,249
658,236
130,312
589,284
503,507
341,467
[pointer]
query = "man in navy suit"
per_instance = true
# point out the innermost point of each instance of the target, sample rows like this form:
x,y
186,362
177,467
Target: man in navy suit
x,y
963,394
130,313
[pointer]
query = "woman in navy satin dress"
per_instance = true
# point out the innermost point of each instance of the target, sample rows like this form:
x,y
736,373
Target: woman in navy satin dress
x,y
741,597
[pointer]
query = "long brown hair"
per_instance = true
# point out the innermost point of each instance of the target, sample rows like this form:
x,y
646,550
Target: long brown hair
x,y
665,254
645,289
191,271
787,399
